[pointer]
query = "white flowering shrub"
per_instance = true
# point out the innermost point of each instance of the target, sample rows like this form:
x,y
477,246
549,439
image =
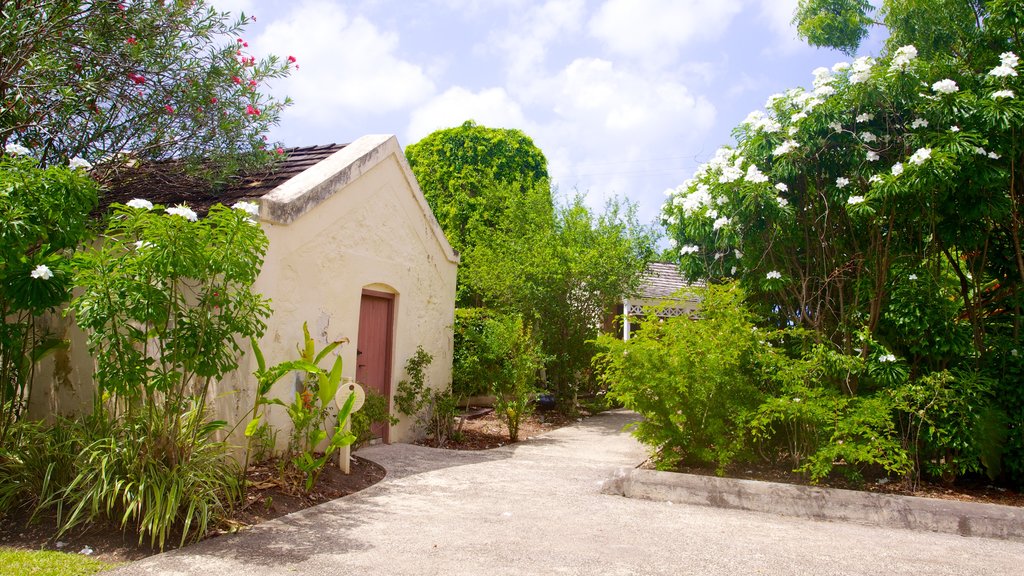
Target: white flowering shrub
x,y
884,216
43,217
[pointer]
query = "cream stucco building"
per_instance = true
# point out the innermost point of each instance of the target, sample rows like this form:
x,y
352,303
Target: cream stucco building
x,y
355,252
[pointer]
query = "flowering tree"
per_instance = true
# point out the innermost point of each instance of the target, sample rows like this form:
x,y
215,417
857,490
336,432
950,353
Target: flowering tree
x,y
881,211
153,79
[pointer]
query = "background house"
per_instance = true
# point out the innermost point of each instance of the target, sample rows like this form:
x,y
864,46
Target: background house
x,y
662,292
355,251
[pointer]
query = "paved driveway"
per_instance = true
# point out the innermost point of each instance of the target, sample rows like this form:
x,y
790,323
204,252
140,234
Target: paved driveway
x,y
535,508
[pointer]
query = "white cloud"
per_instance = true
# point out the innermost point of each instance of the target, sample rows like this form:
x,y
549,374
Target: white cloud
x,y
526,41
348,65
236,7
655,29
778,17
492,107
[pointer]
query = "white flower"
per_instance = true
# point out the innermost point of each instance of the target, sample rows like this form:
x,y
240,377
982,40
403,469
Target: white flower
x,y
1002,94
730,174
723,221
855,200
737,253
912,277
781,201
792,130
1013,352
16,149
920,156
755,175
897,169
946,86
797,117
954,128
994,156
865,117
796,400
782,187
875,179
77,162
785,147
903,57
836,126
887,358
1009,59
42,272
251,208
861,69
1002,71
842,182
919,123
139,245
87,551
140,203
868,137
824,90
840,66
980,150
733,271
773,275
872,156
183,211
689,249
773,99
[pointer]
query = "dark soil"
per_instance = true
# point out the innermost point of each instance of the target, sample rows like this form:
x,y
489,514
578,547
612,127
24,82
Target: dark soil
x,y
965,489
267,497
485,432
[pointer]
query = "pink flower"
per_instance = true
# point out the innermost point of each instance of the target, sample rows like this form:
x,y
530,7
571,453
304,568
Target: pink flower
x,y
169,109
213,100
131,40
236,79
291,59
252,110
252,82
137,78
279,150
240,40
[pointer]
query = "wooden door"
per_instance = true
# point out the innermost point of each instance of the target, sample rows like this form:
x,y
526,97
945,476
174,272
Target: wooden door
x,y
373,349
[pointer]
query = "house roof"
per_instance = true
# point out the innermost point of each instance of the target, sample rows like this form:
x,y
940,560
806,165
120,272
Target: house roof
x,y
166,182
661,280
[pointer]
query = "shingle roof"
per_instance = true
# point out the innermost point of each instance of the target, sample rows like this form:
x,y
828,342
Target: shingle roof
x,y
661,280
166,183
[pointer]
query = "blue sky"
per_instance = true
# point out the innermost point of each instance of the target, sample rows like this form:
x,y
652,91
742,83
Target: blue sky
x,y
625,97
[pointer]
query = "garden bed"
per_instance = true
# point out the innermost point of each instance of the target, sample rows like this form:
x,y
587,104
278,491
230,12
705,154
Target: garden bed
x,y
487,431
266,498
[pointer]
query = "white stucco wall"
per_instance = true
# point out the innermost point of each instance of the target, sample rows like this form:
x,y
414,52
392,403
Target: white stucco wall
x,y
355,221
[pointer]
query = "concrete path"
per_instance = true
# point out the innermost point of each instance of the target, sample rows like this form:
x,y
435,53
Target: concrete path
x,y
536,508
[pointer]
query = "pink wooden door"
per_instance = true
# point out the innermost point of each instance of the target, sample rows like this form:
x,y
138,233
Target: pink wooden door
x,y
373,349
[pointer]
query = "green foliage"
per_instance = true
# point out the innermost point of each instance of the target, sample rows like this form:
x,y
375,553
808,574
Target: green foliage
x,y
156,80
693,381
881,213
515,358
36,463
310,409
43,218
155,472
471,176
165,299
374,411
434,410
50,563
839,24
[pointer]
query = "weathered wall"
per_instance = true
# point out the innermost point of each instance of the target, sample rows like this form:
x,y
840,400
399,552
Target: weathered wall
x,y
356,220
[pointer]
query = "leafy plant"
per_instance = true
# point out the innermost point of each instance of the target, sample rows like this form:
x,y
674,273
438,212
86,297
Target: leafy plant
x,y
156,476
309,410
515,361
434,410
693,381
44,215
374,411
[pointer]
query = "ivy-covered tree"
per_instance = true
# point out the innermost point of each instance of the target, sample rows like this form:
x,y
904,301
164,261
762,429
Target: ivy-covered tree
x,y
881,211
471,174
150,79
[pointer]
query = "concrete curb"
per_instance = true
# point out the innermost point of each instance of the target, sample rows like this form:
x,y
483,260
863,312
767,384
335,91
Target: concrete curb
x,y
907,512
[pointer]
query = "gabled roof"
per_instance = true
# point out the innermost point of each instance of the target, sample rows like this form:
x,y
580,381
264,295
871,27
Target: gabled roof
x,y
166,182
661,280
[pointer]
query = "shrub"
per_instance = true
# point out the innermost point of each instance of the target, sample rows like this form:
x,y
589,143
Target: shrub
x,y
434,410
374,411
692,381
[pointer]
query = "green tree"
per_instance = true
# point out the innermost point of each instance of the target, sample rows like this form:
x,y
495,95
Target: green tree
x,y
882,207
471,174
156,80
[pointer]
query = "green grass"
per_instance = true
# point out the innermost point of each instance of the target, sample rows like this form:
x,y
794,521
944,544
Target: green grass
x,y
48,563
